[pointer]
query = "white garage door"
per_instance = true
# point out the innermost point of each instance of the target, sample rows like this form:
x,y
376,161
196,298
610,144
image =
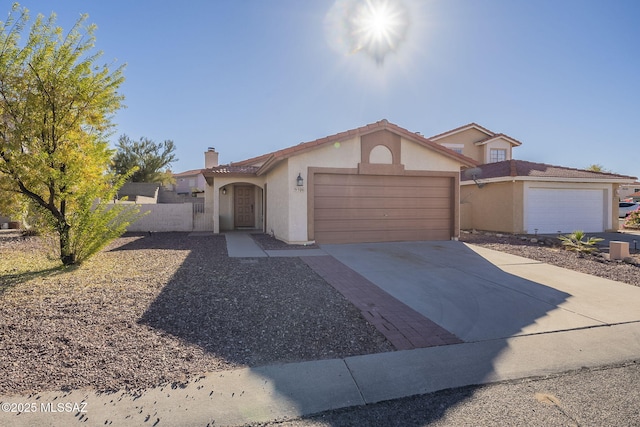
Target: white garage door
x,y
550,210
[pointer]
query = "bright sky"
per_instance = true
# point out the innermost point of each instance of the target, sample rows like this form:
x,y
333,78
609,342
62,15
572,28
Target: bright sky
x,y
253,76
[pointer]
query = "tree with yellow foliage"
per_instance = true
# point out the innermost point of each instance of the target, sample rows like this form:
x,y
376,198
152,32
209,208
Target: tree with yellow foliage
x,y
56,107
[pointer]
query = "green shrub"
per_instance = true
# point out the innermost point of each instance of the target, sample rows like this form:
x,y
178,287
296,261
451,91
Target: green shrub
x,y
96,225
578,242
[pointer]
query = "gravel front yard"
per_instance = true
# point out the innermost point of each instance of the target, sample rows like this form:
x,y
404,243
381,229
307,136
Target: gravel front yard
x,y
158,309
597,265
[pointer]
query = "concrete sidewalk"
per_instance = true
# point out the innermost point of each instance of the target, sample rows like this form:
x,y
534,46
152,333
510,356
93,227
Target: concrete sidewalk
x,y
240,244
233,398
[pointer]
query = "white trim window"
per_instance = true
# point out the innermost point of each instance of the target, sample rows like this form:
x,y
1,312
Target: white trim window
x,y
497,155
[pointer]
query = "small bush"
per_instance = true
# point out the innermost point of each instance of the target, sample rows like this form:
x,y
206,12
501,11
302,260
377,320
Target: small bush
x,y
578,242
632,220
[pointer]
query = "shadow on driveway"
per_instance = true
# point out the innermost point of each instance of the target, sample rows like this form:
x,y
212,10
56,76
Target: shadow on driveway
x,y
255,312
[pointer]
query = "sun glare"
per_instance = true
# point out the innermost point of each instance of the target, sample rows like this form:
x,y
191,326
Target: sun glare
x,y
373,27
378,27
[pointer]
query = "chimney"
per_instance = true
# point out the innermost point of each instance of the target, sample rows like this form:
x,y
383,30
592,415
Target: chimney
x,y
210,158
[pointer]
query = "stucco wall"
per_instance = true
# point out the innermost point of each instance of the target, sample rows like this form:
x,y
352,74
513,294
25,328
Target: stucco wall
x,y
165,217
495,207
278,184
225,208
468,139
345,154
417,157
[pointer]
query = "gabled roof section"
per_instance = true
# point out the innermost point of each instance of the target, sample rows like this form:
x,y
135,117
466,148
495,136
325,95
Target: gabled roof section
x,y
491,136
497,136
267,161
510,169
462,129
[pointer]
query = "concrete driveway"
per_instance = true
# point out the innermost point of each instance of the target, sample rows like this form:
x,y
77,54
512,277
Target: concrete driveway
x,y
480,294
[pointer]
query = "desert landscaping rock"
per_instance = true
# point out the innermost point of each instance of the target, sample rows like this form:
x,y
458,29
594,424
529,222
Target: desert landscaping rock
x,y
157,309
551,252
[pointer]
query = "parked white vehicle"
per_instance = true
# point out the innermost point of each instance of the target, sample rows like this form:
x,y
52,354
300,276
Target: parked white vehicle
x,y
625,208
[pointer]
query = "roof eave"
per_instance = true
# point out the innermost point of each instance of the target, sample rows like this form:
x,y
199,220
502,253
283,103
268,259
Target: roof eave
x,y
547,179
462,129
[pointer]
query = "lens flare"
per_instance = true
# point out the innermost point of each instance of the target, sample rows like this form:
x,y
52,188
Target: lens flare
x,y
375,28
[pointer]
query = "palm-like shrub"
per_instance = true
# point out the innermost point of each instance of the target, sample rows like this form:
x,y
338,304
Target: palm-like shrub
x,y
579,242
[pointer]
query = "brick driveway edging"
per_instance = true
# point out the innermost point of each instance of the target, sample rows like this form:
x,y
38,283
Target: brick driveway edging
x,y
404,327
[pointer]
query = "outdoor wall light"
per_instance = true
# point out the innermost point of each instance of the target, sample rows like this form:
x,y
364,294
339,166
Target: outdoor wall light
x,y
224,190
299,180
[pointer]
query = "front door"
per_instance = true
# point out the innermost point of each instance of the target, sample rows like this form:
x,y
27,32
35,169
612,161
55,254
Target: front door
x,y
244,212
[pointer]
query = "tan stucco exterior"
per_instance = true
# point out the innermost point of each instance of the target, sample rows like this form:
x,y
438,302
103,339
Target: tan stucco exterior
x,y
219,203
286,206
476,143
413,157
501,205
494,207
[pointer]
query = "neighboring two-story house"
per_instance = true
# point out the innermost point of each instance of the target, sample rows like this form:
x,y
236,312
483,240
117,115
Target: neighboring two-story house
x,y
191,182
517,196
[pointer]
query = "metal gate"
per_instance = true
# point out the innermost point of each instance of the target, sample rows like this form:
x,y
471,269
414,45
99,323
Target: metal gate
x,y
200,221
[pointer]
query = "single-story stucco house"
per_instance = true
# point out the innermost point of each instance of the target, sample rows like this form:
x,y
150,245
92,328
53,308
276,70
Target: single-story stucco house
x,y
376,183
381,182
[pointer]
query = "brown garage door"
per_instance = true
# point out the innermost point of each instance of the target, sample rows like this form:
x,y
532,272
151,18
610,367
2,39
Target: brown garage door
x,y
371,208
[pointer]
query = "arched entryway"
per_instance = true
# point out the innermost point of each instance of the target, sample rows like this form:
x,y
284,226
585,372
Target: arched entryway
x,y
241,206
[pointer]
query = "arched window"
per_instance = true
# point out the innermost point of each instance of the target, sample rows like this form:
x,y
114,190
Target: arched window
x,y
381,154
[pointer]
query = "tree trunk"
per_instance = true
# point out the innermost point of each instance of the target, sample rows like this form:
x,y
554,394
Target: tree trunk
x,y
67,256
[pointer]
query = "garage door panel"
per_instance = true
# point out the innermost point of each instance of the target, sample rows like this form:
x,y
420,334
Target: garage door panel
x,y
381,192
379,180
564,210
381,213
367,208
375,202
383,236
382,225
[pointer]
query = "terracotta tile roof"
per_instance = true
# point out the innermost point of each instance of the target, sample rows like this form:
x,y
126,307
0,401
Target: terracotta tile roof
x,y
188,173
522,168
230,169
266,160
